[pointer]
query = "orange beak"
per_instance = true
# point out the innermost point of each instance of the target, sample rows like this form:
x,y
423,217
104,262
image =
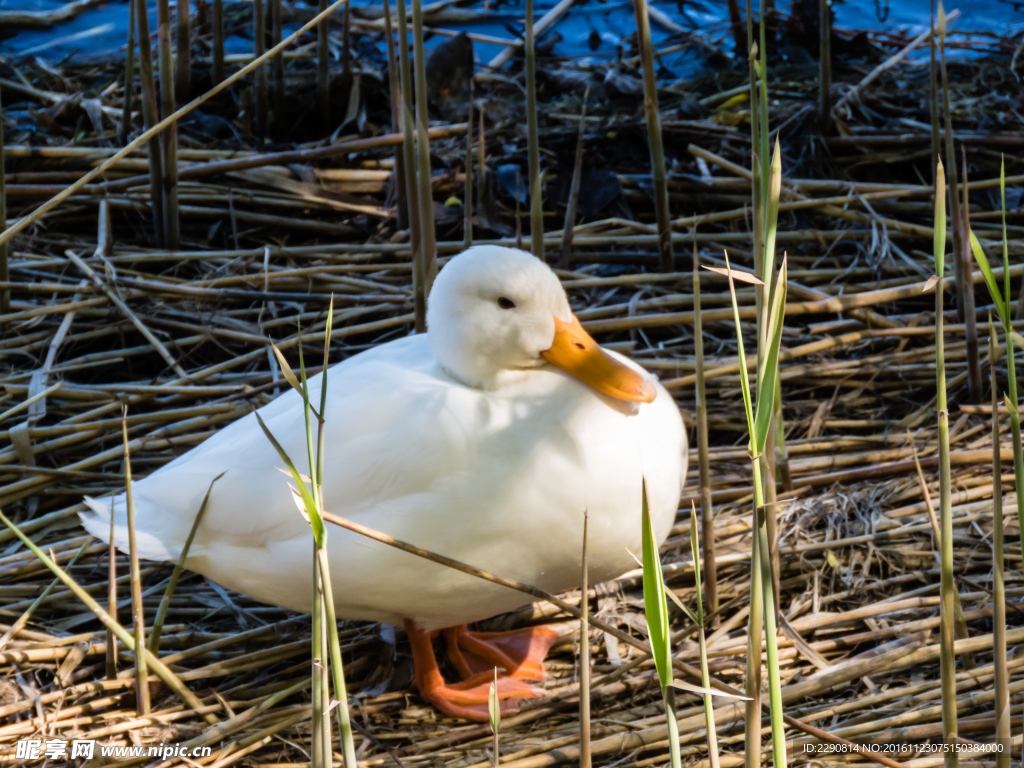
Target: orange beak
x,y
576,352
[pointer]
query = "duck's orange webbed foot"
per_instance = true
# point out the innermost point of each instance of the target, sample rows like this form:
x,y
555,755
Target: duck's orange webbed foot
x,y
519,652
469,698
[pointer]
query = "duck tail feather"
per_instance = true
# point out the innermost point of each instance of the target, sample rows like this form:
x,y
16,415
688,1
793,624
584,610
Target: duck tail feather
x,y
97,522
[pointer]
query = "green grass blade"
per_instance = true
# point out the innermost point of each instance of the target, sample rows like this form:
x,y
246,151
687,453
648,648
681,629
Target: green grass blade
x,y
939,241
654,598
744,378
990,280
771,219
770,366
327,360
165,602
286,370
1006,250
312,511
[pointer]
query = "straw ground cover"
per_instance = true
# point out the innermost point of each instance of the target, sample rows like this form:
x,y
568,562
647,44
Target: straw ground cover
x,y
268,239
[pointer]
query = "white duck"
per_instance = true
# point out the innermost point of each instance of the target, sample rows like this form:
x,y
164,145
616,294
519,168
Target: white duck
x,y
484,440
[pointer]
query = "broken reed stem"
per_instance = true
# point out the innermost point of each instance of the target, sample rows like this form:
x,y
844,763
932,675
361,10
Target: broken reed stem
x,y
532,138
419,274
259,39
217,73
151,116
5,293
703,460
183,64
276,33
323,85
138,613
124,130
585,758
428,246
666,262
825,66
395,92
112,599
169,136
947,660
565,257
1001,679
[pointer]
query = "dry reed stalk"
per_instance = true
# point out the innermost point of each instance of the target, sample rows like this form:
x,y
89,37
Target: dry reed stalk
x,y
138,615
169,136
467,195
260,95
124,128
419,266
151,117
428,247
5,293
703,460
584,661
183,64
825,65
346,47
276,34
217,71
323,83
933,91
532,137
658,172
395,92
964,297
574,189
111,659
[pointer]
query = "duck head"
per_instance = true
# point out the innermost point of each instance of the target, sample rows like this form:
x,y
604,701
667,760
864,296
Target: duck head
x,y
495,309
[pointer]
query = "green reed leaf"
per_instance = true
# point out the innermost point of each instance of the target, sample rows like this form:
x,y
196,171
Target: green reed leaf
x,y
744,378
654,598
770,366
315,521
990,280
939,242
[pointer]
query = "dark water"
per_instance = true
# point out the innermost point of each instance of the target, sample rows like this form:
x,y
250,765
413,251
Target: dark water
x,y
102,30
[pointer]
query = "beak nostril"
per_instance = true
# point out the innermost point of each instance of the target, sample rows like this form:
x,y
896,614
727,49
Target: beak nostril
x,y
580,346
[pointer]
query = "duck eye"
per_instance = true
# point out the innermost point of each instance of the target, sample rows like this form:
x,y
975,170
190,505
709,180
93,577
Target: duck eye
x,y
506,303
